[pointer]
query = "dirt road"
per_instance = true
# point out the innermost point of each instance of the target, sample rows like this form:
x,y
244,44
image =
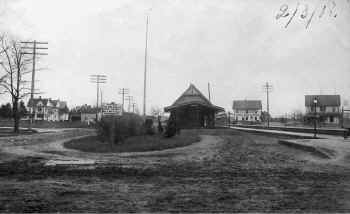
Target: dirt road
x,y
229,171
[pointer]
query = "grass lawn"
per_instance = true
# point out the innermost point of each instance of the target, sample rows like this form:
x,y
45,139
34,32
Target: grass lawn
x,y
133,144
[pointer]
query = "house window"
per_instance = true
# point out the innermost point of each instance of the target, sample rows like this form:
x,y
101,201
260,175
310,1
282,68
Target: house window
x,y
312,109
256,118
331,119
323,108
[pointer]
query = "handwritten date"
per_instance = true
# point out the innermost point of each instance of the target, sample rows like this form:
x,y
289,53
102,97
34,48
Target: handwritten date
x,y
305,12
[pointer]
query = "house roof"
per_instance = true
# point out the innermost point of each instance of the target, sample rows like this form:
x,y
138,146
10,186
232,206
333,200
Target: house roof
x,y
322,100
46,101
247,105
192,96
37,100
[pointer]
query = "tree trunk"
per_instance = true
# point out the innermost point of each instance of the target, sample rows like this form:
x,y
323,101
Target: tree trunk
x,y
15,116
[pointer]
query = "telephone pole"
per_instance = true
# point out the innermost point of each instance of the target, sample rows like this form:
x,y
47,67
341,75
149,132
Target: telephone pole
x,y
133,107
33,48
123,92
101,103
145,68
267,88
129,99
98,79
209,91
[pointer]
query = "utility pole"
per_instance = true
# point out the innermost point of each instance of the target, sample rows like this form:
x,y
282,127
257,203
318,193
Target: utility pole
x,y
123,92
33,46
129,99
209,91
229,119
98,79
101,103
133,107
268,88
145,69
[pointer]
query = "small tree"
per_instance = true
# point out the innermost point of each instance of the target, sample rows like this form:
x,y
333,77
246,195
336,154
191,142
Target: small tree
x,y
14,64
156,111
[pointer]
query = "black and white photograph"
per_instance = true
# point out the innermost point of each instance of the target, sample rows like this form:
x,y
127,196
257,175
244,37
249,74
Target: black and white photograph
x,y
175,106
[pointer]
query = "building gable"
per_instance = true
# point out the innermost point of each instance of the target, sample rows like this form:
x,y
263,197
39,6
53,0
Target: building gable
x,y
247,105
192,96
322,100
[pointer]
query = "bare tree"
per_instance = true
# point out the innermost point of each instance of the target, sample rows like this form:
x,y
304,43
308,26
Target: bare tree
x,y
15,66
156,111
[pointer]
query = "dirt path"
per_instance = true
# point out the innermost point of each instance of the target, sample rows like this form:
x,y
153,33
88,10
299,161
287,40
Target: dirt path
x,y
55,153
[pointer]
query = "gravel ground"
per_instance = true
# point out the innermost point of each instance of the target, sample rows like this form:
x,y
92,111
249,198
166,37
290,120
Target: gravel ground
x,y
244,172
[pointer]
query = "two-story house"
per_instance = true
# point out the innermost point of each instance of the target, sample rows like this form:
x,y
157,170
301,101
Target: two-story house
x,y
326,109
247,110
48,109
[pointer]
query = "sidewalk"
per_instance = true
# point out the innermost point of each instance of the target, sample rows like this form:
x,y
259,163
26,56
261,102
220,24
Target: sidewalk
x,y
288,133
331,147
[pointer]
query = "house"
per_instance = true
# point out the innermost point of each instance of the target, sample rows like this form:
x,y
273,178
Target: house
x,y
84,113
247,110
193,110
48,109
327,108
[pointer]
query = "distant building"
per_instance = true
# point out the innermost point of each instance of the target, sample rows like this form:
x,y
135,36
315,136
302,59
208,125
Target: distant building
x,y
111,109
327,108
48,109
247,110
84,113
193,110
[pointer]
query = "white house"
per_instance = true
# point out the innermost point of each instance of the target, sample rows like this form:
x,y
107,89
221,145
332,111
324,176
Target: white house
x,y
327,108
48,109
247,110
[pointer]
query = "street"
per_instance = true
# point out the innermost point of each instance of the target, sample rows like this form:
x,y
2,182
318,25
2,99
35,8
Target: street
x,y
228,171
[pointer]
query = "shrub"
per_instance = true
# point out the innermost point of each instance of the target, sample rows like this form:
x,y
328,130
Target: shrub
x,y
171,129
149,128
160,127
119,127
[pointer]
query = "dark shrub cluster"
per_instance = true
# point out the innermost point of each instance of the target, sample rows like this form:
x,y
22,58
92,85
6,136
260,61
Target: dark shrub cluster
x,y
117,128
171,128
148,127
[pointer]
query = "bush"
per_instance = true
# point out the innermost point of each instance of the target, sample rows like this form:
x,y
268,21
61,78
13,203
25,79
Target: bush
x,y
149,128
171,129
160,127
119,127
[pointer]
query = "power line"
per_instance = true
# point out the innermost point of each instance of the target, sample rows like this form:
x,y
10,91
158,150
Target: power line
x,y
267,88
33,45
123,92
98,79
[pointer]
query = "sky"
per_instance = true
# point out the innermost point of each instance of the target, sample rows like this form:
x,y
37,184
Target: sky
x,y
236,46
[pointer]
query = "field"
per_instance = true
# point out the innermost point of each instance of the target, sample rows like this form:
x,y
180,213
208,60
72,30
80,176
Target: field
x,y
228,171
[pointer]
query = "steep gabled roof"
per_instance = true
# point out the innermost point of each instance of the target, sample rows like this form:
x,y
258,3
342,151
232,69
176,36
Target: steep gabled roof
x,y
46,102
37,100
247,105
192,96
322,100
